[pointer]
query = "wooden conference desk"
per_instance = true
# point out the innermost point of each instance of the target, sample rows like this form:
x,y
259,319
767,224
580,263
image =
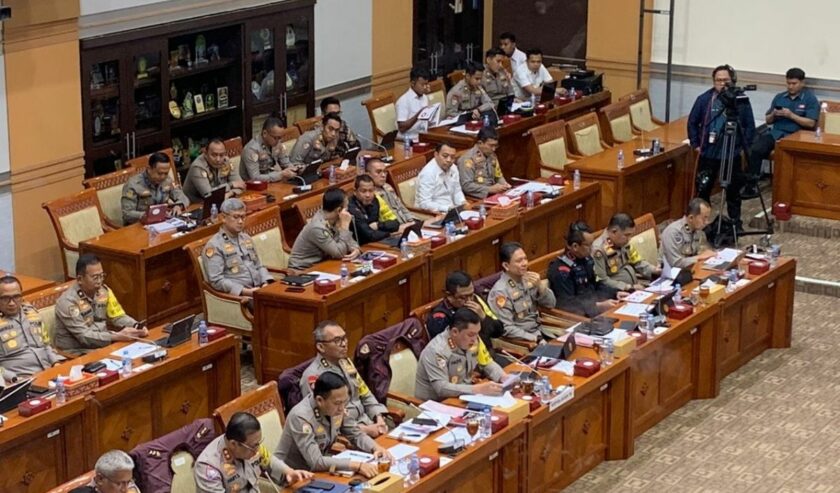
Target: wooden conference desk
x,y
514,137
153,282
283,320
29,284
658,184
807,174
52,447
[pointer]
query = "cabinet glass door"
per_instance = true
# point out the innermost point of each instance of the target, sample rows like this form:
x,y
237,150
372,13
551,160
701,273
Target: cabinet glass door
x,y
297,38
261,85
147,102
104,90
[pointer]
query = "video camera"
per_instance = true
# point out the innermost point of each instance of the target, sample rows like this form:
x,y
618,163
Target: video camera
x,y
733,96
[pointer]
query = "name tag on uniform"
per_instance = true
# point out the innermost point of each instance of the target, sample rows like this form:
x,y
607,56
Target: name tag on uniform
x,y
712,137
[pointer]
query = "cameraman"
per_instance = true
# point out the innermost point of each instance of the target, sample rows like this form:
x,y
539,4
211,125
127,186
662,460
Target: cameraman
x,y
706,126
791,110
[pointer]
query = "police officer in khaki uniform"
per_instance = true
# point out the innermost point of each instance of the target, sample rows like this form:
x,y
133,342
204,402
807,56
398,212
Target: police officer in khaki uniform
x,y
468,95
452,362
515,296
210,170
683,241
497,82
331,343
24,344
327,235
617,263
264,158
235,461
318,143
230,259
152,187
84,312
346,137
478,168
313,425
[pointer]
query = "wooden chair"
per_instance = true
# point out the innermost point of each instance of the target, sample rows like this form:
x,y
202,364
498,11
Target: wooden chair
x,y
74,483
308,124
308,207
437,94
585,135
646,238
226,310
403,365
382,112
289,138
641,112
557,74
403,177
234,151
506,64
44,301
143,161
264,403
615,120
456,76
554,315
548,148
266,230
109,192
829,121
75,219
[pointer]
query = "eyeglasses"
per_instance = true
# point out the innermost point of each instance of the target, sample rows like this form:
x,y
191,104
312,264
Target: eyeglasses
x,y
8,299
339,341
251,448
98,277
121,484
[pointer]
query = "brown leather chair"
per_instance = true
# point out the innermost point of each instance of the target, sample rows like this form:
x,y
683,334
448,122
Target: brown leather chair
x,y
306,208
437,94
308,124
646,238
223,309
76,218
403,177
44,301
547,146
109,192
829,121
615,120
585,135
289,138
143,161
382,112
74,483
641,111
456,76
234,151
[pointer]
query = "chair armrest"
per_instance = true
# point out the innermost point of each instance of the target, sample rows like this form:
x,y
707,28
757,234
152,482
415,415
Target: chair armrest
x,y
406,399
508,343
424,212
243,306
657,121
108,225
605,145
396,415
555,316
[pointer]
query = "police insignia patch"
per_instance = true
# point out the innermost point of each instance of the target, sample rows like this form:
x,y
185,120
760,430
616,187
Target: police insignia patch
x,y
441,361
74,311
209,252
306,429
678,239
212,473
500,301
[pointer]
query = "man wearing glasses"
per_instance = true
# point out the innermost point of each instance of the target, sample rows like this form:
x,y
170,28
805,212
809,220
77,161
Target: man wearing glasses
x,y
313,425
264,158
24,344
114,470
331,344
236,460
88,309
229,257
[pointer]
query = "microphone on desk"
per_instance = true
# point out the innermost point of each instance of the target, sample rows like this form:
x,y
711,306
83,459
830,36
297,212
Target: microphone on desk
x,y
387,158
158,354
519,360
452,448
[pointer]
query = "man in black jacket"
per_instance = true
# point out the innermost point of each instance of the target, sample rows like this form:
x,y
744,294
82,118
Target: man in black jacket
x,y
364,206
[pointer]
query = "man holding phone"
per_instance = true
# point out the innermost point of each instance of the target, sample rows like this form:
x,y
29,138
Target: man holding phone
x,y
327,235
791,110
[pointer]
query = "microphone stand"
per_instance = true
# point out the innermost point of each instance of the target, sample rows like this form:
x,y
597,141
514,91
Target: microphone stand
x,y
387,158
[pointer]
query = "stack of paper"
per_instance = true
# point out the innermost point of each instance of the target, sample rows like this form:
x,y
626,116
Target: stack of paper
x,y
505,400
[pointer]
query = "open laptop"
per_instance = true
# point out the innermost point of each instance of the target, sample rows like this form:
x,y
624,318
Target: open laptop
x,y
154,214
505,105
217,196
453,215
350,154
13,395
389,139
466,116
310,173
179,333
548,91
394,241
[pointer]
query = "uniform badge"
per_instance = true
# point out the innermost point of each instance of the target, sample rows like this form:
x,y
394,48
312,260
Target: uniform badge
x,y
479,179
235,269
468,163
209,252
74,311
563,268
130,193
438,315
229,248
306,429
212,473
12,344
320,430
453,379
678,239
441,361
229,468
500,301
203,174
311,381
598,254
364,349
256,156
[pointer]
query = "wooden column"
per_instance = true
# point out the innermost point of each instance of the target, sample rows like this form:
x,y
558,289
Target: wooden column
x,y
612,39
41,46
392,45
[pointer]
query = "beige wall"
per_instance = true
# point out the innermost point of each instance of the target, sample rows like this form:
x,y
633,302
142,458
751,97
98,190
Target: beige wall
x,y
392,42
45,132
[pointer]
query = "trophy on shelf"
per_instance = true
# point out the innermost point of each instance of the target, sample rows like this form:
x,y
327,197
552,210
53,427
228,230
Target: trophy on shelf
x,y
265,36
222,97
200,50
210,101
199,103
184,56
142,68
213,53
188,105
290,36
174,59
96,78
110,74
174,110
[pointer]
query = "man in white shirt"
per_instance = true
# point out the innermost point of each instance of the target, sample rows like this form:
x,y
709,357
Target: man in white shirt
x,y
411,103
530,76
507,42
439,184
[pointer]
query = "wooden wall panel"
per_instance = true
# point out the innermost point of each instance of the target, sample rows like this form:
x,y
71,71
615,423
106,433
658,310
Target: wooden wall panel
x,y
392,45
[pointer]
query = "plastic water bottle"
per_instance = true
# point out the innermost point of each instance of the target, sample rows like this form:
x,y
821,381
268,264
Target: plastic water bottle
x,y
529,199
486,122
407,148
360,164
607,352
533,100
818,133
125,370
576,180
486,424
60,390
573,94
621,159
202,333
214,213
345,274
482,211
414,470
775,253
645,326
545,390
450,231
404,249
332,174
678,294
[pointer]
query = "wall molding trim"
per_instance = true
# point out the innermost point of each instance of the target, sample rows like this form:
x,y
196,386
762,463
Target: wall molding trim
x,y
762,79
345,89
53,171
